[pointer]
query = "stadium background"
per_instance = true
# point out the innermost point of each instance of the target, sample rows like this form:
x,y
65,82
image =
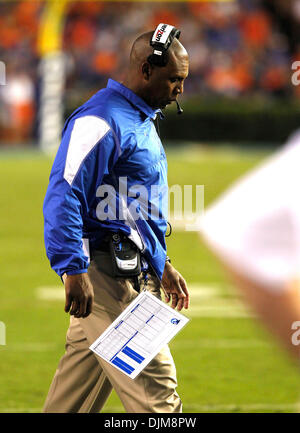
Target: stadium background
x,y
239,104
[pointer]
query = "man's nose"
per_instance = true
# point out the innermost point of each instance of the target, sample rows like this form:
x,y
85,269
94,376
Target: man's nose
x,y
179,88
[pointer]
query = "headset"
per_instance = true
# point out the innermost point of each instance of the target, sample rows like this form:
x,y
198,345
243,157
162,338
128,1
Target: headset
x,y
161,40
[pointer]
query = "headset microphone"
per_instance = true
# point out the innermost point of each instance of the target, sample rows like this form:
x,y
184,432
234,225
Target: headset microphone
x,y
179,109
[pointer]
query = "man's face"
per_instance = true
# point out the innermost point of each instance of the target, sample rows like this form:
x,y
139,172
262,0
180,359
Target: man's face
x,y
166,83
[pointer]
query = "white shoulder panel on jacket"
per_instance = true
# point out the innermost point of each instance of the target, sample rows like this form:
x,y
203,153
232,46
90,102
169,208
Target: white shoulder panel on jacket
x,y
86,133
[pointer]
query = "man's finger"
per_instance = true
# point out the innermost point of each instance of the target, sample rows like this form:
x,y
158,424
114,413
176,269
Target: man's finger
x,y
174,300
89,306
75,307
186,292
180,304
186,302
181,298
82,308
68,303
167,295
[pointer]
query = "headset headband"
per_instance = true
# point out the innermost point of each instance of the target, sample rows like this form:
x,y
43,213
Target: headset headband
x,y
162,38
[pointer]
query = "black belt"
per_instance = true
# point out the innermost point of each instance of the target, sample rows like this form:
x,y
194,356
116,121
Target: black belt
x,y
102,247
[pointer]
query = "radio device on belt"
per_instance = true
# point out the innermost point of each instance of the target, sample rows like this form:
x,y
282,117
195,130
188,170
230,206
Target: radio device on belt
x,y
125,256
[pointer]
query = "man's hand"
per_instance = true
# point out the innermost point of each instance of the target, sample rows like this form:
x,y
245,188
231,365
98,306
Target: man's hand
x,y
79,295
175,287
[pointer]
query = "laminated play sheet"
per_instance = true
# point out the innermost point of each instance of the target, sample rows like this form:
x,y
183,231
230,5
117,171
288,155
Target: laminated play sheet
x,y
138,334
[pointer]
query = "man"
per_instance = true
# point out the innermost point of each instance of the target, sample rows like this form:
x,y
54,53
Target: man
x,y
254,230
111,138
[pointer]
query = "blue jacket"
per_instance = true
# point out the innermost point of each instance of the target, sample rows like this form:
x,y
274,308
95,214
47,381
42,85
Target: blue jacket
x,y
109,174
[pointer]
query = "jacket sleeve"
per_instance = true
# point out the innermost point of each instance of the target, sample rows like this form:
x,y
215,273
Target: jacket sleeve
x,y
87,152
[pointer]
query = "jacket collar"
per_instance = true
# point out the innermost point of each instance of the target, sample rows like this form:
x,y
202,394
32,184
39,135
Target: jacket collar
x,y
134,99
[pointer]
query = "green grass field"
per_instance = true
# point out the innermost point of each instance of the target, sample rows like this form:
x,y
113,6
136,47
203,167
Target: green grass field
x,y
225,361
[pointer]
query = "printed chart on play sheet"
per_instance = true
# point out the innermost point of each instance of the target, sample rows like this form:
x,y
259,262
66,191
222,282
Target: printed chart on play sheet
x,y
138,334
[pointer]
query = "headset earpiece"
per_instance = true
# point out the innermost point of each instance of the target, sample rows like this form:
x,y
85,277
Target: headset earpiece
x,y
161,39
161,60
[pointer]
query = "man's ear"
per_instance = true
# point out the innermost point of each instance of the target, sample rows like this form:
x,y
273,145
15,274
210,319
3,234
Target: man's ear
x,y
146,70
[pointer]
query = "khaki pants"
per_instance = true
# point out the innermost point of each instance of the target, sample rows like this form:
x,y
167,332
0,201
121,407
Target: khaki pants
x,y
84,381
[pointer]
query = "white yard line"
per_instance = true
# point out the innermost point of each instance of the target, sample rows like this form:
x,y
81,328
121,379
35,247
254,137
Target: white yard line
x,y
224,343
51,293
30,347
206,301
224,312
54,293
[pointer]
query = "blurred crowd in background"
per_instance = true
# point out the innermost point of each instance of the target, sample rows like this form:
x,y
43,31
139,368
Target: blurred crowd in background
x,y
237,49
